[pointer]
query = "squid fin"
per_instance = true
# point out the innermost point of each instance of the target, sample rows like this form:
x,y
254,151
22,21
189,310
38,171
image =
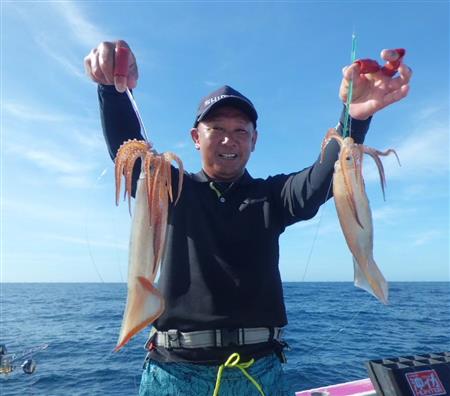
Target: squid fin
x,y
144,305
371,280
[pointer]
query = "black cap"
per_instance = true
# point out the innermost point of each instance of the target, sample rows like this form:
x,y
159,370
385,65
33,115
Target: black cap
x,y
225,96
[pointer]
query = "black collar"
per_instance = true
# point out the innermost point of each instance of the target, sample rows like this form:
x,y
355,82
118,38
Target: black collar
x,y
202,177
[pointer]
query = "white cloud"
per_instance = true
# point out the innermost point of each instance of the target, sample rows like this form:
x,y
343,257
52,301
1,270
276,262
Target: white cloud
x,y
71,66
33,113
107,243
181,145
76,28
68,154
211,83
42,212
390,214
33,108
79,182
85,33
79,129
56,161
81,215
425,153
428,111
91,139
324,223
63,167
427,237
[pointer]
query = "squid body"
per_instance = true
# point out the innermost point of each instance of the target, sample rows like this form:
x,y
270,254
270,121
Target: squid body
x,y
354,212
148,231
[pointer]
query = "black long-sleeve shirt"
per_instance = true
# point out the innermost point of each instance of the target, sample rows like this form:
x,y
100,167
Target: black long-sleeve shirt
x,y
220,268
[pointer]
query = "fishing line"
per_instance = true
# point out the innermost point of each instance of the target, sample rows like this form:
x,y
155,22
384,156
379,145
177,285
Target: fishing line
x,y
136,110
336,333
111,355
88,220
86,231
341,330
123,359
346,131
316,234
347,120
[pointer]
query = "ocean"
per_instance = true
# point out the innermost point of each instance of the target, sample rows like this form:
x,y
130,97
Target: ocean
x,y
334,328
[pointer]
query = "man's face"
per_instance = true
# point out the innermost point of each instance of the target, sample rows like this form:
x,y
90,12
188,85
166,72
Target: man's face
x,y
225,140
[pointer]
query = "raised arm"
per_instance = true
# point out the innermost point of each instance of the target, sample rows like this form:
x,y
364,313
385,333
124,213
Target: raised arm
x,y
304,192
118,118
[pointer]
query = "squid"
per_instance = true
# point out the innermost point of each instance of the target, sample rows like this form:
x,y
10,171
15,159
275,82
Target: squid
x,y
353,209
148,231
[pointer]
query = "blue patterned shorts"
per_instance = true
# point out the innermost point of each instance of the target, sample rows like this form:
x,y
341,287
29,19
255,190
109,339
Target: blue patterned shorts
x,y
189,379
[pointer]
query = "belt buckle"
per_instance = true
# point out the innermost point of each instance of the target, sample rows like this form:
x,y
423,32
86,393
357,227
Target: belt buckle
x,y
229,337
173,339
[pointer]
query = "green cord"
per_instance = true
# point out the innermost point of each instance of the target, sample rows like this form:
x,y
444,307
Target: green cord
x,y
233,361
350,91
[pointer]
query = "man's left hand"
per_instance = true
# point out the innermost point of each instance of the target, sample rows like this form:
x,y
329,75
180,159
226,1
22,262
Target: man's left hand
x,y
374,91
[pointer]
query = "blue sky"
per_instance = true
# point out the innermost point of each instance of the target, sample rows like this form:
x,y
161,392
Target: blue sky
x,y
59,222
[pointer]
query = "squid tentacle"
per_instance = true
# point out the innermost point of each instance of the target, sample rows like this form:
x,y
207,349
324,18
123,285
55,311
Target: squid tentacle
x,y
173,157
375,154
387,152
168,177
331,134
128,173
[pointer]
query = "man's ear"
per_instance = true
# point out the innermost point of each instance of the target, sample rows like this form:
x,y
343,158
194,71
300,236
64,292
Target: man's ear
x,y
254,139
195,137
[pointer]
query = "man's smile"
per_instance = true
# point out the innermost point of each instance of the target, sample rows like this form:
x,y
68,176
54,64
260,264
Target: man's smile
x,y
228,156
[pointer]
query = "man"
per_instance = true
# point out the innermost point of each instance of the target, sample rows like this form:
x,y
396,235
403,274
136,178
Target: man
x,y
220,277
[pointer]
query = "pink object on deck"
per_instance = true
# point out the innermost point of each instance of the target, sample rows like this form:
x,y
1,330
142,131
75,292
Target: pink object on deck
x,y
355,388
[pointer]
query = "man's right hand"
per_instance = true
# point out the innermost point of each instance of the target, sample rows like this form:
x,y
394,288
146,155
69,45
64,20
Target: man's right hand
x,y
112,63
